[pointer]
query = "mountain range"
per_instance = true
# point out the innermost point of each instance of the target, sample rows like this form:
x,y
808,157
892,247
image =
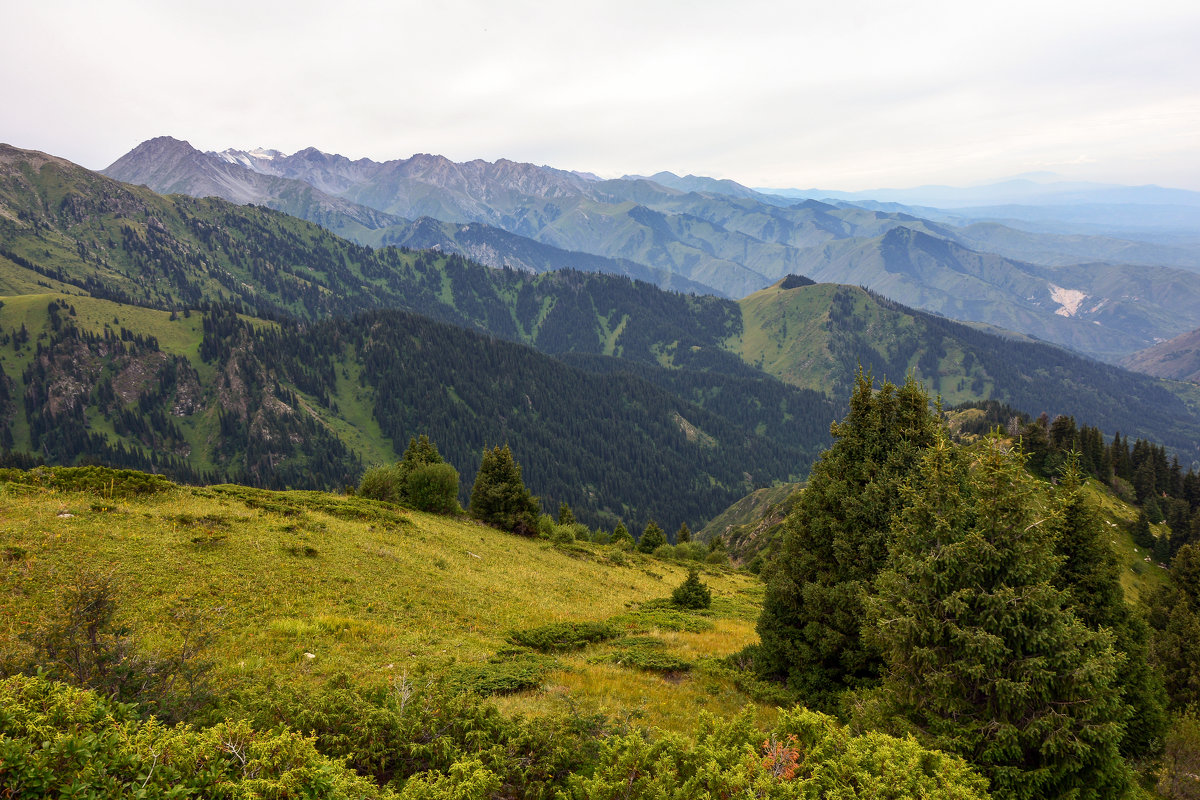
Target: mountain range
x,y
697,234
219,341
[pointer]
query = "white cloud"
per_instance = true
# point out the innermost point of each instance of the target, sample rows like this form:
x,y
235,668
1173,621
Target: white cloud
x,y
841,95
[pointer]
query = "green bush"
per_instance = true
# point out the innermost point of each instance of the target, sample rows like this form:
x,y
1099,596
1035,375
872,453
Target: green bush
x,y
806,755
646,654
665,552
60,741
560,637
382,483
103,481
563,534
426,736
1179,775
80,641
434,488
504,676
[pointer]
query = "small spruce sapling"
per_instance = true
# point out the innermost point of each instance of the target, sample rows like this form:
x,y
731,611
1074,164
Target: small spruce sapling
x,y
692,593
652,538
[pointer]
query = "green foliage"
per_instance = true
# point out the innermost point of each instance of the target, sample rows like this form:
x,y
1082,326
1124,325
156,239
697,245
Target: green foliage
x,y
565,516
647,656
983,655
383,483
59,741
1175,618
1179,775
692,593
434,488
420,479
100,481
806,755
652,537
561,637
428,735
1088,572
684,534
83,642
664,616
835,542
498,676
499,496
621,534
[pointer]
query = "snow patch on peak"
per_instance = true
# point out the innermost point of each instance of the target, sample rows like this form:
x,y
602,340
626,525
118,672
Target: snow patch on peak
x,y
251,159
1068,300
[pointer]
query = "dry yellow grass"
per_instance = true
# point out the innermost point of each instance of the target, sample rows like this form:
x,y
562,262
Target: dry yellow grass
x,y
285,578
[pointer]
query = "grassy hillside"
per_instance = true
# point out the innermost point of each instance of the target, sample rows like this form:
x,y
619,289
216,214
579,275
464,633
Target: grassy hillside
x,y
816,335
210,396
371,591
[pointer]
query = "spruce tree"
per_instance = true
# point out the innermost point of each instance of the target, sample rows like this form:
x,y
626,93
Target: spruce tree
x,y
1175,618
684,534
565,515
1090,574
984,657
653,537
835,542
499,496
621,534
692,593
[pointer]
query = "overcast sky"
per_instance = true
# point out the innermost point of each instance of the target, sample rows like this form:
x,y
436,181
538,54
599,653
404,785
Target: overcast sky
x,y
838,95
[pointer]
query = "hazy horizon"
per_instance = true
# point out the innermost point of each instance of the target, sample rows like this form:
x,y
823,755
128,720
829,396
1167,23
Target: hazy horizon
x,y
844,98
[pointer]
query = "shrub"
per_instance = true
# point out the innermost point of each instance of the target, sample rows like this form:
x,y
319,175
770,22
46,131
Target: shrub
x,y
806,755
413,733
664,552
60,741
382,483
646,656
692,593
81,643
434,488
1179,776
717,558
504,676
560,637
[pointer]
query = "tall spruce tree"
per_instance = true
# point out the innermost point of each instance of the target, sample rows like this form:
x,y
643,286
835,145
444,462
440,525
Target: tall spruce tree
x,y
984,657
499,496
1175,618
1090,575
835,542
652,538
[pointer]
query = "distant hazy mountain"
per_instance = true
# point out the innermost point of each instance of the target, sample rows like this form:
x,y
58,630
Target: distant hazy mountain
x,y
1178,358
1142,213
171,166
1104,310
711,233
1045,191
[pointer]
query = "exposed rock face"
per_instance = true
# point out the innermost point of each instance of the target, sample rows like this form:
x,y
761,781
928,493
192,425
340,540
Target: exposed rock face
x,y
1178,358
